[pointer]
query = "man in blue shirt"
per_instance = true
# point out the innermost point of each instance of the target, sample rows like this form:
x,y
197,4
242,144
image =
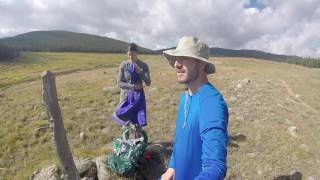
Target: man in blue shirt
x,y
201,136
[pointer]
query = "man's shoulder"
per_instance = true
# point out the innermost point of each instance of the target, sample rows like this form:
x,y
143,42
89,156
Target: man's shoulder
x,y
141,63
213,100
124,63
183,94
211,93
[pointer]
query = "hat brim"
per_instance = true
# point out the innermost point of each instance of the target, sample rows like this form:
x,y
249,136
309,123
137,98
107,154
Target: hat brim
x,y
170,54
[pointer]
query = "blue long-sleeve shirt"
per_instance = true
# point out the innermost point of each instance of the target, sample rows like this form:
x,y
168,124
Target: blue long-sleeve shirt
x,y
201,137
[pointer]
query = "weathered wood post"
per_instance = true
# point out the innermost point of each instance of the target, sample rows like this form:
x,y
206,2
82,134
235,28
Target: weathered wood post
x,y
67,164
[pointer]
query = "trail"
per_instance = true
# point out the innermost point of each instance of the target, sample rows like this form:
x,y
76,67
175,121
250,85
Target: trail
x,y
293,95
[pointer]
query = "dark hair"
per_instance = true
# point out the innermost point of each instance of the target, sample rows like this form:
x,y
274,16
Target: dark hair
x,y
133,47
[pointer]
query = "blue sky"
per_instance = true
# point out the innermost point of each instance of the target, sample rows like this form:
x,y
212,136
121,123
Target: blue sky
x,y
283,27
254,4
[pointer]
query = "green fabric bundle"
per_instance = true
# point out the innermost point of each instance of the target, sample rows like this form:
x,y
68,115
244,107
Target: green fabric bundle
x,y
128,149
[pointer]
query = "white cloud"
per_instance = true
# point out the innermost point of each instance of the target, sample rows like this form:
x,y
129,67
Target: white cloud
x,y
6,1
39,4
251,11
284,27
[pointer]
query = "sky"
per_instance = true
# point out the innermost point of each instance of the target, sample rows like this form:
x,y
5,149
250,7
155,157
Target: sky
x,y
290,27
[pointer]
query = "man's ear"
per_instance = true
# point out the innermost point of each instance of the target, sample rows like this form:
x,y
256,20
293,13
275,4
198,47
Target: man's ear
x,y
203,65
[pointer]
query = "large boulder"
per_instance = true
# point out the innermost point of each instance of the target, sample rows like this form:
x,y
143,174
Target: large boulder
x,y
151,166
102,171
49,173
86,168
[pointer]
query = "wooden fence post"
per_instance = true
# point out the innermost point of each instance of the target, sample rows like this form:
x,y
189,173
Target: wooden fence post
x,y
67,164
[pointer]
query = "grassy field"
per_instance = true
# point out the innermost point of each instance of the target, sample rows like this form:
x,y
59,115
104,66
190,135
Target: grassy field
x,y
30,65
265,99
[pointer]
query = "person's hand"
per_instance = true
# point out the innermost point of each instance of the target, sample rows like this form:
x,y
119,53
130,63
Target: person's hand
x,y
168,175
138,69
138,86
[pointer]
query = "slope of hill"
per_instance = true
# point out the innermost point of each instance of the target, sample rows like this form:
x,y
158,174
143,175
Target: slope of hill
x,y
246,53
7,54
65,41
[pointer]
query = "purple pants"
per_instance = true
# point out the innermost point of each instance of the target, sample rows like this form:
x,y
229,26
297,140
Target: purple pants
x,y
132,109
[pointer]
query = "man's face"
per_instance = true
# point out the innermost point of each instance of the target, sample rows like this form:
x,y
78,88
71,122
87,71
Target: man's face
x,y
132,55
187,69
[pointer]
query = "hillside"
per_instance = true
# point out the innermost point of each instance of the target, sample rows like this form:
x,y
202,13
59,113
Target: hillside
x,y
245,53
273,125
222,52
65,41
7,54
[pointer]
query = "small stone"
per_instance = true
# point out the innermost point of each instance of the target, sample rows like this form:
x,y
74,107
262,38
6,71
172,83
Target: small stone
x,y
259,172
293,131
82,136
246,80
311,178
239,85
105,130
233,99
252,155
240,118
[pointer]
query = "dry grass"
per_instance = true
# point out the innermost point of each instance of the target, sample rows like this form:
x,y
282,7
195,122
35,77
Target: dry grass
x,y
277,97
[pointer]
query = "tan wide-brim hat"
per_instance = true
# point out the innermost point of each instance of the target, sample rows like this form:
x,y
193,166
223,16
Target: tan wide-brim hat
x,y
190,46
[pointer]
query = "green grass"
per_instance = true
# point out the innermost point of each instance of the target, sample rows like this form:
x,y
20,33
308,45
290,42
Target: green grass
x,y
267,111
29,66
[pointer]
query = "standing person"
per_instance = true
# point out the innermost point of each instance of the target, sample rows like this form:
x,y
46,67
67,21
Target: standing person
x,y
132,67
132,73
201,137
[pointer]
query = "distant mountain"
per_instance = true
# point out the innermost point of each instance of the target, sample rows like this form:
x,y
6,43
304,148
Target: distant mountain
x,y
160,51
222,52
66,41
7,54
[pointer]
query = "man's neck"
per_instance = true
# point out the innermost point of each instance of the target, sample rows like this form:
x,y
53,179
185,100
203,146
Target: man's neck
x,y
134,60
194,86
